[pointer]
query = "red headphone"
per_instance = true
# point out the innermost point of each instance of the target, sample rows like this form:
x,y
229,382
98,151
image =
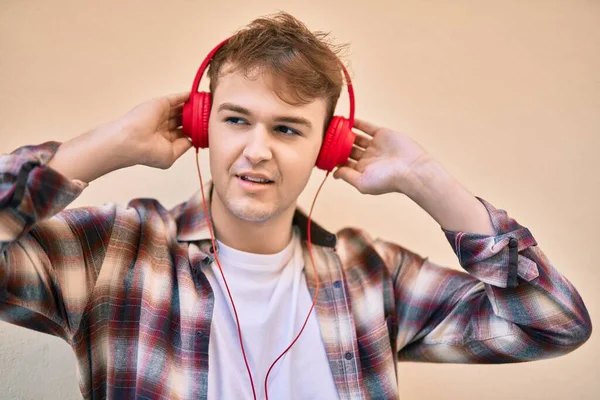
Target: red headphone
x,y
337,143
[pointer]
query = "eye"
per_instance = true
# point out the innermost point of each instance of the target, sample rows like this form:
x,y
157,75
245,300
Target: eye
x,y
286,130
234,120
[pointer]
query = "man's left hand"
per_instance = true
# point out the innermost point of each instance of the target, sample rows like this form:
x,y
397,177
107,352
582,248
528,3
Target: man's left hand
x,y
384,161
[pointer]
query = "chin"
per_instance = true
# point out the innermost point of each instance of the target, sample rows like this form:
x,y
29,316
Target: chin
x,y
241,209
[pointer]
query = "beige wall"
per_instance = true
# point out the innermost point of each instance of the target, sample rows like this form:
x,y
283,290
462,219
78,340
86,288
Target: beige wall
x,y
505,93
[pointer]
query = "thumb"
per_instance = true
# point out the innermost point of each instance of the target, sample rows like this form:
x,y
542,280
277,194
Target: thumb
x,y
180,146
348,174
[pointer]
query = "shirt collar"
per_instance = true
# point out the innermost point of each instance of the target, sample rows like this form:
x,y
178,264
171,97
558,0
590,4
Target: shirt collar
x,y
192,223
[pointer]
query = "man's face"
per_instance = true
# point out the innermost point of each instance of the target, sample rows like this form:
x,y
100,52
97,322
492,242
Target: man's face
x,y
255,134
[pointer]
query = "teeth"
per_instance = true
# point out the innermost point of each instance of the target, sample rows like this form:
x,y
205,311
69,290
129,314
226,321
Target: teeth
x,y
257,180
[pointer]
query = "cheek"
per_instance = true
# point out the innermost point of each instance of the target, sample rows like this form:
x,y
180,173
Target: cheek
x,y
222,147
298,163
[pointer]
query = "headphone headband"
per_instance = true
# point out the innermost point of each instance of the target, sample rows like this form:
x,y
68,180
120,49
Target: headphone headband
x,y
212,53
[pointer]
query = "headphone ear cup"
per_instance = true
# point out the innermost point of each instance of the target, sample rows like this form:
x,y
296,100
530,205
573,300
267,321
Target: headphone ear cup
x,y
195,115
337,144
203,117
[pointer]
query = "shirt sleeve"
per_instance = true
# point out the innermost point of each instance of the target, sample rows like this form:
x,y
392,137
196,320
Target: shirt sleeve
x,y
510,304
49,256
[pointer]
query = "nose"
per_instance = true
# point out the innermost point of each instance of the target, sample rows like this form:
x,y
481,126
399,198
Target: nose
x,y
258,147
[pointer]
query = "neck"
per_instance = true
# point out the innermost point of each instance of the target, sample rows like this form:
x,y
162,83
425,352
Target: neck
x,y
251,236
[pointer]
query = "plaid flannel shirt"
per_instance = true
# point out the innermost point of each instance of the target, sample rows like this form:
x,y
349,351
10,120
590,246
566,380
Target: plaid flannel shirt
x,y
123,286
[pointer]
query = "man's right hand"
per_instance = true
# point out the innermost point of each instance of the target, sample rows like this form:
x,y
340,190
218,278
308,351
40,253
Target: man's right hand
x,y
153,130
149,134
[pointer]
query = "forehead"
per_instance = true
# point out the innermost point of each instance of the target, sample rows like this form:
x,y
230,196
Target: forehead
x,y
260,91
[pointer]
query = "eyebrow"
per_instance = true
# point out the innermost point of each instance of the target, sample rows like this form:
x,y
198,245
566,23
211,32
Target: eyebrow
x,y
245,111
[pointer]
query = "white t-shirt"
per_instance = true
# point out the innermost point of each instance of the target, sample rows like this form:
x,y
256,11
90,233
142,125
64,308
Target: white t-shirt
x,y
272,301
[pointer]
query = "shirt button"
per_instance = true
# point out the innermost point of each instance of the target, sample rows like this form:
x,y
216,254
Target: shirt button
x,y
348,355
337,284
199,335
513,242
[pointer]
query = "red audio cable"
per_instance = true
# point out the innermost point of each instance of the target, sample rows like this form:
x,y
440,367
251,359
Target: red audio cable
x,y
229,292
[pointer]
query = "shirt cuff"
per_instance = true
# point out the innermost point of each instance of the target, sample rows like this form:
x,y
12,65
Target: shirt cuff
x,y
496,259
31,191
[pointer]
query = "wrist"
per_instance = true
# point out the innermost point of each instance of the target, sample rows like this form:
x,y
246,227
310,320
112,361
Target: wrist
x,y
452,206
115,140
429,182
92,154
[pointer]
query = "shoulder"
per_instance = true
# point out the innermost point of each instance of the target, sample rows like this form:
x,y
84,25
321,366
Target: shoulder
x,y
114,218
357,247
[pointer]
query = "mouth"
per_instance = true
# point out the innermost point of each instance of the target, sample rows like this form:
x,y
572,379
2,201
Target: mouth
x,y
254,182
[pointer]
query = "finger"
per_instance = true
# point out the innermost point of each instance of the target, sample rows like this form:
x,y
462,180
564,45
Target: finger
x,y
180,146
349,164
175,122
362,141
173,134
348,174
356,153
367,127
175,99
176,110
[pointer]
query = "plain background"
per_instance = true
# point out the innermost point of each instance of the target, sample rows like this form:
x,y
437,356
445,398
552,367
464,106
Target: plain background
x,y
506,94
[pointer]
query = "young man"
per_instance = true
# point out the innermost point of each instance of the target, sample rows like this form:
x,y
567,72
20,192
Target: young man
x,y
134,290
